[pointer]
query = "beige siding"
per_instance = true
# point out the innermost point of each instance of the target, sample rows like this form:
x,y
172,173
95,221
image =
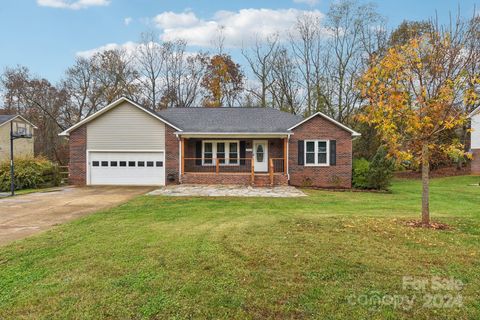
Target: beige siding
x,y
22,147
126,127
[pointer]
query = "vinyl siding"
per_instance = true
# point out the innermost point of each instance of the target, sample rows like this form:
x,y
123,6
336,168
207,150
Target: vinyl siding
x,y
476,131
21,147
126,127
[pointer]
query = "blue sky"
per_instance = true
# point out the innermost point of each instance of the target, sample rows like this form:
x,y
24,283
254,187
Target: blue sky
x,y
46,35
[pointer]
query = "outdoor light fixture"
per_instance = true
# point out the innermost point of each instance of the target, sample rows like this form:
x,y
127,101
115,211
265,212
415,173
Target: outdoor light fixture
x,y
21,132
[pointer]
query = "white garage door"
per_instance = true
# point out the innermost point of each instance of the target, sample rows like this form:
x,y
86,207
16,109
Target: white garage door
x,y
126,168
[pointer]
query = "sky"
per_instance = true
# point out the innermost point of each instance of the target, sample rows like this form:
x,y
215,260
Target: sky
x,y
47,35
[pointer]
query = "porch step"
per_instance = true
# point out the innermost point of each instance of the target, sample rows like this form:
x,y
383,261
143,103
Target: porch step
x,y
262,180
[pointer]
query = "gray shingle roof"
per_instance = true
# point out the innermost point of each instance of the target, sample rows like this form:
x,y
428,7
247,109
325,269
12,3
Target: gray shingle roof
x,y
5,118
255,120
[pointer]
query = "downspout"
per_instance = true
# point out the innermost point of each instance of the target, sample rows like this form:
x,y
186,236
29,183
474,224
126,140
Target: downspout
x,y
288,158
179,158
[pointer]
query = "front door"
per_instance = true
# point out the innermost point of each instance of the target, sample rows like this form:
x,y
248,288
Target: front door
x,y
260,155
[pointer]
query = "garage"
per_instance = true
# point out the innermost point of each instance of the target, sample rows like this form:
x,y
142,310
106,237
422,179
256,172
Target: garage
x,y
126,168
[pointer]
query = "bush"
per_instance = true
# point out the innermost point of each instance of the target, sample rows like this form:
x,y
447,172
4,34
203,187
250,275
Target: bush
x,y
360,173
376,175
381,170
30,173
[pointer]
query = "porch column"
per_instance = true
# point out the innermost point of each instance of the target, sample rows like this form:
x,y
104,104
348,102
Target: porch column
x,y
285,142
183,156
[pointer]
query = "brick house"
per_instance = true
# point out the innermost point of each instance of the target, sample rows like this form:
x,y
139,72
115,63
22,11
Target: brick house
x,y
126,144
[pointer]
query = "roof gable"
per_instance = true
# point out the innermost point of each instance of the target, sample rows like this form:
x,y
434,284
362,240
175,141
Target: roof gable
x,y
111,106
344,127
4,119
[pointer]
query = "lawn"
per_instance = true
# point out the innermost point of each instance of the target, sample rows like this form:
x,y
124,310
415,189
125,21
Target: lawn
x,y
332,255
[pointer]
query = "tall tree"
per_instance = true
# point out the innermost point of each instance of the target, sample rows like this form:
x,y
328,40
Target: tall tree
x,y
261,59
415,93
223,81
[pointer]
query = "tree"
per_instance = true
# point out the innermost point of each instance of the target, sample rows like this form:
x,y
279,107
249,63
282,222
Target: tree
x,y
151,61
415,92
223,81
261,59
356,32
408,30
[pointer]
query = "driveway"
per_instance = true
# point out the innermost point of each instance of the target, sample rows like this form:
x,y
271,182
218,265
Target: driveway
x,y
28,214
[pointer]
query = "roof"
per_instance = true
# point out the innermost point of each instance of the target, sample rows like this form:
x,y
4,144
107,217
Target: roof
x,y
353,132
6,118
474,112
9,117
111,106
230,120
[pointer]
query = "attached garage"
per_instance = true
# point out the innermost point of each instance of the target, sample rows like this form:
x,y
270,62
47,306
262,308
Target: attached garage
x,y
126,168
122,144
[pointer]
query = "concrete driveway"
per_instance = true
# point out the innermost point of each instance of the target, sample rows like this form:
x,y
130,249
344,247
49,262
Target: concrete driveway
x,y
28,214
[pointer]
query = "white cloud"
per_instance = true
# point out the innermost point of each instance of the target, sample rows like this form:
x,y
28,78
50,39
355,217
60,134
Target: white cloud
x,y
129,47
311,3
127,20
73,5
240,27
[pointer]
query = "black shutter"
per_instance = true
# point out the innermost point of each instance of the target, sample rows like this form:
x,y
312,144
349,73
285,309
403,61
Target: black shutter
x,y
243,151
333,152
198,153
301,145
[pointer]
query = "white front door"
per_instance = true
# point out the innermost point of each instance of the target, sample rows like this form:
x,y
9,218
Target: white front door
x,y
126,168
260,155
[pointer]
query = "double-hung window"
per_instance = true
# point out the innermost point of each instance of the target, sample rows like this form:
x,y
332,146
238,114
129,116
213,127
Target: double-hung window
x,y
317,153
226,152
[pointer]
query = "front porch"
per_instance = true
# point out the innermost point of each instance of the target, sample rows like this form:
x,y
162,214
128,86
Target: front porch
x,y
255,161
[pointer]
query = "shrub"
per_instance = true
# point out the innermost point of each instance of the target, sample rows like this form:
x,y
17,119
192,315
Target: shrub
x,y
381,170
30,173
377,174
360,173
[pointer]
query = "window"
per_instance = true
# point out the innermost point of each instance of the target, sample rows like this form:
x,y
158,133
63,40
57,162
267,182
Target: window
x,y
149,163
113,163
221,152
141,163
317,153
225,151
233,152
123,163
95,163
131,163
159,163
104,163
208,153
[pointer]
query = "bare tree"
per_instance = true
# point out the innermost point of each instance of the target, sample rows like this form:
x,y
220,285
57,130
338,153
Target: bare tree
x,y
354,33
261,59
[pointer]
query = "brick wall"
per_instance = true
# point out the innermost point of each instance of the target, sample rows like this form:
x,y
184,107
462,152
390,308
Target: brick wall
x,y
77,168
171,155
337,176
475,164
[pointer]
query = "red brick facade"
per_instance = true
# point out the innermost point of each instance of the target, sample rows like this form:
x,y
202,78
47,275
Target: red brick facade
x,y
77,173
475,165
334,176
171,156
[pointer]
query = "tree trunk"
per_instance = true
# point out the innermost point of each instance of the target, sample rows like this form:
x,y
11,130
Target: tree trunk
x,y
425,185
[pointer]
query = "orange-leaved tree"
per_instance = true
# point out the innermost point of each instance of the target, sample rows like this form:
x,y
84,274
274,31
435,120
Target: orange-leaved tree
x,y
415,92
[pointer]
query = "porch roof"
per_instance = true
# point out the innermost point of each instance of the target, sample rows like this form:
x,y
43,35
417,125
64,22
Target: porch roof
x,y
231,121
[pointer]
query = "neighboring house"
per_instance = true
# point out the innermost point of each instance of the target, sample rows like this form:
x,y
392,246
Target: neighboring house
x,y
22,147
126,144
475,140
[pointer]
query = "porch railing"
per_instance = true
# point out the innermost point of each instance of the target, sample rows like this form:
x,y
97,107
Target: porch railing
x,y
216,165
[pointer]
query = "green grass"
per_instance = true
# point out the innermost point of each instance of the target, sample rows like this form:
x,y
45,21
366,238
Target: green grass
x,y
250,258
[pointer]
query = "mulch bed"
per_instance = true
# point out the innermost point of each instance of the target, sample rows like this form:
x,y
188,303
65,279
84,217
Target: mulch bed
x,y
432,225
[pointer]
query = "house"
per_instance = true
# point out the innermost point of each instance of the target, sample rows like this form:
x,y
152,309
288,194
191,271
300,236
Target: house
x,y
126,144
21,127
475,140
